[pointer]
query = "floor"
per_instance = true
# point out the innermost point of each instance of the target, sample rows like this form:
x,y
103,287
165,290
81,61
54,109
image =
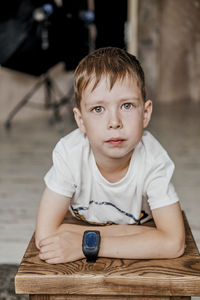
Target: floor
x,y
25,156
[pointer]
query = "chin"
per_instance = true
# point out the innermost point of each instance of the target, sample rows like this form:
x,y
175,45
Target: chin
x,y
119,154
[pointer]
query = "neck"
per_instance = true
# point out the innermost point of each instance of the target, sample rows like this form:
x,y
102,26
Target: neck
x,y
114,170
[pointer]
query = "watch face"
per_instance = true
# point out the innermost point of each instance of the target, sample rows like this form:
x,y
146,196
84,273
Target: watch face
x,y
91,240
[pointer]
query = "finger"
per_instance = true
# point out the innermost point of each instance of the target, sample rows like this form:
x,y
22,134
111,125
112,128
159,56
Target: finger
x,y
48,255
47,248
56,260
45,242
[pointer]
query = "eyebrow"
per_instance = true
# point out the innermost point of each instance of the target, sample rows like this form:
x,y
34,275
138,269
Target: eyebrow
x,y
130,99
100,102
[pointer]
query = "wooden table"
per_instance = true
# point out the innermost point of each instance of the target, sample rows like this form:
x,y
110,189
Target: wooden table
x,y
111,279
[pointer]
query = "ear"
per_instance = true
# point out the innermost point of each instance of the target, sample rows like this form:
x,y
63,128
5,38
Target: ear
x,y
79,119
147,113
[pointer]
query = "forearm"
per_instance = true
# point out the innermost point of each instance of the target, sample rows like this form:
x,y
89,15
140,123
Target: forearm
x,y
166,240
131,241
106,231
148,244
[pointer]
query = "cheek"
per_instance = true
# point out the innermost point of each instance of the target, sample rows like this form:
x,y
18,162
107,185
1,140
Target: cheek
x,y
134,118
134,125
93,122
93,129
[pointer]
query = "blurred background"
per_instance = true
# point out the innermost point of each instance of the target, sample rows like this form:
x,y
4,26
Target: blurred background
x,y
41,42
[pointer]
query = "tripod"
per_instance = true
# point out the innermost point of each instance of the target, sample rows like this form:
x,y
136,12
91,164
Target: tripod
x,y
51,89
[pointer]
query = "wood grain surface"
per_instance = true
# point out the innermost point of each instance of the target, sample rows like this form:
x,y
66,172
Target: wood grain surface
x,y
111,277
100,297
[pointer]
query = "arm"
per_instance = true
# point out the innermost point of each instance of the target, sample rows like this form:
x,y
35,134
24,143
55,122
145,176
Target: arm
x,y
167,240
52,236
52,210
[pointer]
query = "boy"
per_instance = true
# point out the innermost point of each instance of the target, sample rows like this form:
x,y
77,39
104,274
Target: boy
x,y
110,171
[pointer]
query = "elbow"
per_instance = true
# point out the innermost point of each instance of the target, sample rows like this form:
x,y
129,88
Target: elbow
x,y
176,249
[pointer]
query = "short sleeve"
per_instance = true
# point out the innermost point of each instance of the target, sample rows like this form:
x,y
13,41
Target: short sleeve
x,y
160,191
59,178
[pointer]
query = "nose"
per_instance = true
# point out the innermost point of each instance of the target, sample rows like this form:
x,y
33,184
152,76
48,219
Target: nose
x,y
114,121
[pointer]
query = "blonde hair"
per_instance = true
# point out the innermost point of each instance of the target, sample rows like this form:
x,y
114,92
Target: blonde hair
x,y
112,62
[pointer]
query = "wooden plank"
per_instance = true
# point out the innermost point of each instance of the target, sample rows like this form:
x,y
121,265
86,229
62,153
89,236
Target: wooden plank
x,y
191,249
100,297
39,297
177,277
139,279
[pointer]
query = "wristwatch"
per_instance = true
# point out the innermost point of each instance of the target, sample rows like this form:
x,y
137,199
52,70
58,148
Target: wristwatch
x,y
91,244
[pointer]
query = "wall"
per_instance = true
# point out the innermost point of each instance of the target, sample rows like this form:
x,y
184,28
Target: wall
x,y
169,49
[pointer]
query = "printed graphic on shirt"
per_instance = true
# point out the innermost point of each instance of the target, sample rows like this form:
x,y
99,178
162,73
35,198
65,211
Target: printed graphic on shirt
x,y
143,216
82,218
77,213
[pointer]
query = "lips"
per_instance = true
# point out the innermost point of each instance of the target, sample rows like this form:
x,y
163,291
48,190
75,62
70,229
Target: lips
x,y
115,141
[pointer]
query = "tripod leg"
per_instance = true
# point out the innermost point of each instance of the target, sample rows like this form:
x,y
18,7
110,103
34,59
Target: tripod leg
x,y
48,92
50,101
23,102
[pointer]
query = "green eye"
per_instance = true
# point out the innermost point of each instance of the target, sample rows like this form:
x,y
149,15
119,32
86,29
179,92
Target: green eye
x,y
127,106
98,109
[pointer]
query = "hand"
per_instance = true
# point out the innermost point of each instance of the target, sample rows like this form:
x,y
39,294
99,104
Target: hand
x,y
61,247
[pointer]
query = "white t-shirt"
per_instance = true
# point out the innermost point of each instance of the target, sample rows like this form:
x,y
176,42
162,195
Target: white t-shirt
x,y
146,185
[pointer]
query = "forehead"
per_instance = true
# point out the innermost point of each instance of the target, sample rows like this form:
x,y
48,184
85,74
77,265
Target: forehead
x,y
108,82
126,88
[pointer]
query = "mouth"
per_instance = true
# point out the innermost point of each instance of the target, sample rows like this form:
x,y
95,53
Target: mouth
x,y
115,141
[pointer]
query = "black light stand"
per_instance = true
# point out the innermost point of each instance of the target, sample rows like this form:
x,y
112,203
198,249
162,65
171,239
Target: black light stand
x,y
41,17
51,90
38,35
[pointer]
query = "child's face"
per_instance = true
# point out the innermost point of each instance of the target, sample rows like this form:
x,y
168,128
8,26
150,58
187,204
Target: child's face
x,y
113,120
